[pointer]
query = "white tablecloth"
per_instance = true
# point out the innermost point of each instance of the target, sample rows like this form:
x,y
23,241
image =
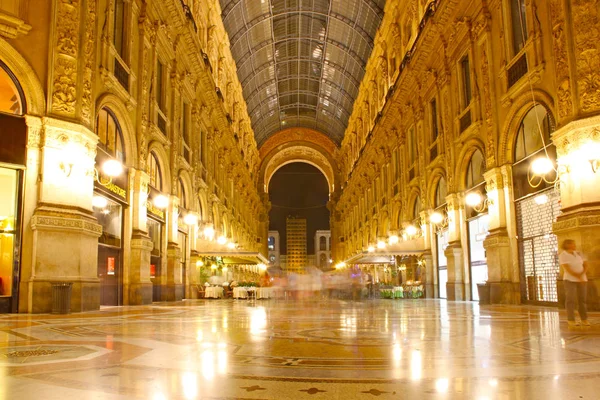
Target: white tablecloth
x,y
240,293
264,293
213,292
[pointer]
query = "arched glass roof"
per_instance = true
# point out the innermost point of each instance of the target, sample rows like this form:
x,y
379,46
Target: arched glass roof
x,y
301,62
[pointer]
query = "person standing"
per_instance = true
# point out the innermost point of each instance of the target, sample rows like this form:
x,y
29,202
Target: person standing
x,y
575,282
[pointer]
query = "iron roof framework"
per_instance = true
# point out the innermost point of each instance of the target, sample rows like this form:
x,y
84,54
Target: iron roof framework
x,y
301,62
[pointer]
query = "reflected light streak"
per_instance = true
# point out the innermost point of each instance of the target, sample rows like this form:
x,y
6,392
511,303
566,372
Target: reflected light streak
x,y
441,385
416,365
222,362
258,321
208,361
199,335
493,382
159,396
190,385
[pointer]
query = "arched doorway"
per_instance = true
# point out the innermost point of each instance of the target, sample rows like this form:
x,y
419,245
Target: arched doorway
x,y
299,190
477,223
13,142
108,205
537,206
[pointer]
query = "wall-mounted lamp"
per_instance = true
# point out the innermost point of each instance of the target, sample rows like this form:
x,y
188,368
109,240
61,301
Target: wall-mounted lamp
x,y
222,240
411,230
393,239
160,201
209,232
371,249
190,219
199,264
439,220
381,244
477,201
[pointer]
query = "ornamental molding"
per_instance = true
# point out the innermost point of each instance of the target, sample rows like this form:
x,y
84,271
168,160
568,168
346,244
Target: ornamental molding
x,y
12,27
61,224
297,135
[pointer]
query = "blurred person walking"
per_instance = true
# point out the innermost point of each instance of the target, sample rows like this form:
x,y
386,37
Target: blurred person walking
x,y
574,268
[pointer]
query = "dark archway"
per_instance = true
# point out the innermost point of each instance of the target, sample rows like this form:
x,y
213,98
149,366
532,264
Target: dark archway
x,y
299,189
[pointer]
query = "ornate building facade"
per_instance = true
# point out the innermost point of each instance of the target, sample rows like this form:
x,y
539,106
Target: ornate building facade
x,y
134,150
474,142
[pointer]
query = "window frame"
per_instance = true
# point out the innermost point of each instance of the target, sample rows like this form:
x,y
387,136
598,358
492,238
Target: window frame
x,y
466,91
154,171
118,135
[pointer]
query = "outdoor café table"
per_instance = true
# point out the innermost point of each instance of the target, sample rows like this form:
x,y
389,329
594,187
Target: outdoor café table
x,y
240,293
264,293
213,292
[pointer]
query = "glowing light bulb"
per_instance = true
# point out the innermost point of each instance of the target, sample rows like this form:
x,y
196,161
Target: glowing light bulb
x,y
411,230
99,202
371,249
222,240
381,244
394,239
473,199
112,168
436,218
190,219
541,166
161,201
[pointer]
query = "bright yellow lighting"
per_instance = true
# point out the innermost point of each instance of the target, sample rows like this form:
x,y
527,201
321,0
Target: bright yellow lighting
x,y
112,168
541,199
436,218
199,263
99,202
225,269
473,199
161,201
231,245
262,267
541,166
394,239
381,244
371,249
190,219
222,240
411,230
214,266
209,232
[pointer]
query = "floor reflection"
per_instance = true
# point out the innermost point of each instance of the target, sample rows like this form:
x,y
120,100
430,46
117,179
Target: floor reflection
x,y
279,350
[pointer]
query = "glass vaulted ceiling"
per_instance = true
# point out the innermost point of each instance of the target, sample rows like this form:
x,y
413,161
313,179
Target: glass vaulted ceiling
x,y
301,62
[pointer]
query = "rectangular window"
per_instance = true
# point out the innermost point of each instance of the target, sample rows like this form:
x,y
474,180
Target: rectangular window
x,y
519,25
434,121
119,28
160,85
394,166
412,147
466,81
185,115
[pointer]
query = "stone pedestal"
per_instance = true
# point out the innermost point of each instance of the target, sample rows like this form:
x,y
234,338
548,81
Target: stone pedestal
x,y
502,289
455,287
65,250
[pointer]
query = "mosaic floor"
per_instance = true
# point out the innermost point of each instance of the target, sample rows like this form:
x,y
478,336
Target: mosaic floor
x,y
226,349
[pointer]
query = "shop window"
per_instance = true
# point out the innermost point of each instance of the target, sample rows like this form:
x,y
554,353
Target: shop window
x,y
8,214
154,172
11,94
154,231
109,216
110,135
475,170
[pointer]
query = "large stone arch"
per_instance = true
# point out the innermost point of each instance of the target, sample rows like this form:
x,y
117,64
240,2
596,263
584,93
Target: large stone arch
x,y
28,80
116,106
186,179
465,157
518,110
436,175
298,153
163,164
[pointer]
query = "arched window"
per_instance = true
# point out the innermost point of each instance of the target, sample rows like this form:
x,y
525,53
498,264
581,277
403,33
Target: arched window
x,y
181,193
154,172
11,95
441,192
322,243
532,141
417,208
475,170
534,132
109,134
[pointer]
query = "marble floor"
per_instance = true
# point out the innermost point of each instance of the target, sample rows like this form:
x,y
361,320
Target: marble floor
x,y
326,349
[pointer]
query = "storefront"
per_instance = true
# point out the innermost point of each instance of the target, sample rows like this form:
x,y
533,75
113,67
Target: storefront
x,y
155,223
537,205
13,142
477,222
109,203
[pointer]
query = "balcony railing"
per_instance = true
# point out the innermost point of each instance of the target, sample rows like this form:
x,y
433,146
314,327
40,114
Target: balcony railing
x,y
121,74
